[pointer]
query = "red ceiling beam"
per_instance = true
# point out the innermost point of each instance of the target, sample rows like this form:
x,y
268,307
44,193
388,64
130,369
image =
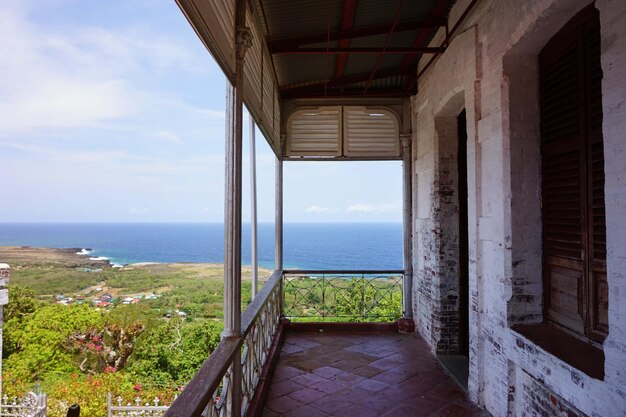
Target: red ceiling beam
x,y
387,39
322,37
439,10
347,23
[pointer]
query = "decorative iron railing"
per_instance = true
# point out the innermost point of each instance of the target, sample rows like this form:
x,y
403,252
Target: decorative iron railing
x,y
29,405
353,296
210,392
138,409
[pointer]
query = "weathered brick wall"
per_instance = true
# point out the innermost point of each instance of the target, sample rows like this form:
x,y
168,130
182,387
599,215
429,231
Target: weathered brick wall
x,y
491,65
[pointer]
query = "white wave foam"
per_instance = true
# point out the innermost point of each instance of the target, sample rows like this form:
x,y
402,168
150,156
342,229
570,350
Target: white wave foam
x,y
99,258
117,266
83,252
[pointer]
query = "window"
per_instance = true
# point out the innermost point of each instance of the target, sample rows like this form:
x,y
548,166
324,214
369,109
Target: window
x,y
574,236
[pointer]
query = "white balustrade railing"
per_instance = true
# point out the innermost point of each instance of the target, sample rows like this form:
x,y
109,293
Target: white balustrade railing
x,y
29,405
138,409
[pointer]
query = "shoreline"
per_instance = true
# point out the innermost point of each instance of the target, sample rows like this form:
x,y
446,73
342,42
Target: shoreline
x,y
20,257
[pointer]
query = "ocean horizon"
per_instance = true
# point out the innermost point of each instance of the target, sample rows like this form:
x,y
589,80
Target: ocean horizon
x,y
376,246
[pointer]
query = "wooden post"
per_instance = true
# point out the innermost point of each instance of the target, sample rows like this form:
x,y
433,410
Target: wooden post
x,y
232,202
279,215
407,220
74,410
253,212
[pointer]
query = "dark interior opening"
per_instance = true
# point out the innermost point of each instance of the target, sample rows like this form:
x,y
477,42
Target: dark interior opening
x,y
463,237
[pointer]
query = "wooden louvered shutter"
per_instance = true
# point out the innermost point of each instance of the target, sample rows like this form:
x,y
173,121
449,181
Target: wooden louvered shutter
x,y
598,324
574,252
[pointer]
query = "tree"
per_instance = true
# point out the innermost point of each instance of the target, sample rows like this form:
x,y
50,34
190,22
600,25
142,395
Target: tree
x,y
39,340
22,302
173,351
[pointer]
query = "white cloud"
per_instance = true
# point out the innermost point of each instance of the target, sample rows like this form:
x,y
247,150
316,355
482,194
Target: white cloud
x,y
138,211
320,209
396,206
80,75
169,137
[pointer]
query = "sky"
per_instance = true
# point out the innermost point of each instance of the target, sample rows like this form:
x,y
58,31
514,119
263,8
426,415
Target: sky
x,y
113,111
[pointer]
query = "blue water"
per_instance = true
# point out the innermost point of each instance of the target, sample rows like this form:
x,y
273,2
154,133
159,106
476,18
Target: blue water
x,y
306,246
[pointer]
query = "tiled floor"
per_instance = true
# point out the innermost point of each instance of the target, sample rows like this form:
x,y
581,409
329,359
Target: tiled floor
x,y
362,375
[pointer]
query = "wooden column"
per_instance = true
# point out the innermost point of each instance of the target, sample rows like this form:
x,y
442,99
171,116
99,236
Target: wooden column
x,y
232,203
253,212
279,215
407,220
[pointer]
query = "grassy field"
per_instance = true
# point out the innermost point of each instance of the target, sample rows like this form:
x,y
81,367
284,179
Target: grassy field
x,y
195,288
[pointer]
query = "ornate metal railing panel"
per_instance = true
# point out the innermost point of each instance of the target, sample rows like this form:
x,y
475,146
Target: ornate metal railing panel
x,y
354,296
29,405
257,345
210,392
135,409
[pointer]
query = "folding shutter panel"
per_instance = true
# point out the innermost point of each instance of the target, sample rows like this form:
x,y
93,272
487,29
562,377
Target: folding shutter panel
x,y
370,132
314,132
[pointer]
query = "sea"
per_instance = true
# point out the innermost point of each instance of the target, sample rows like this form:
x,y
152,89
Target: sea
x,y
328,246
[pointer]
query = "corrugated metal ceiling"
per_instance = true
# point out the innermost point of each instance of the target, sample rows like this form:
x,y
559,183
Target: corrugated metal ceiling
x,y
316,75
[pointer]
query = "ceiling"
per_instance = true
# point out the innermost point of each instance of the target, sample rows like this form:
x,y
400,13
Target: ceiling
x,y
349,48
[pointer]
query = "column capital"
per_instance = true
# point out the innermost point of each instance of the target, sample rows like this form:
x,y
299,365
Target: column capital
x,y
243,41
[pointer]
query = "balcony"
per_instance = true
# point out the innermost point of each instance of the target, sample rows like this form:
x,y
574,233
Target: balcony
x,y
323,343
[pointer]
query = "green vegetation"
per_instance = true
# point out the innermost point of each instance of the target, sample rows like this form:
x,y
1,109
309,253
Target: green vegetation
x,y
346,299
78,353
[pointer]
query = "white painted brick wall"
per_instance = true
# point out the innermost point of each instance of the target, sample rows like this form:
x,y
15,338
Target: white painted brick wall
x,y
504,222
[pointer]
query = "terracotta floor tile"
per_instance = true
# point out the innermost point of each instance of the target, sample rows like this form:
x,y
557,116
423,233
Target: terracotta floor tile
x,y
308,380
372,385
307,395
269,413
367,371
456,410
284,372
391,377
327,372
282,404
348,378
305,411
405,411
278,389
362,375
329,387
332,404
357,410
